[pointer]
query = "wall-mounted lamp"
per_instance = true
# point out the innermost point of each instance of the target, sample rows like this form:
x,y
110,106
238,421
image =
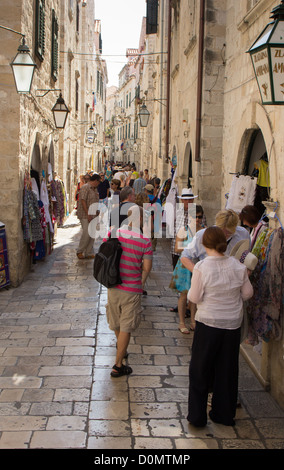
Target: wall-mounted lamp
x,y
91,134
144,116
59,110
23,65
267,55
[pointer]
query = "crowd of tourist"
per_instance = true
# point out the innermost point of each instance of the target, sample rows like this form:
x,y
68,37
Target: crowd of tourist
x,y
211,280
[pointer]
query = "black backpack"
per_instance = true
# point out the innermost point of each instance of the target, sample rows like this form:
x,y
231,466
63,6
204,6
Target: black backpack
x,y
106,263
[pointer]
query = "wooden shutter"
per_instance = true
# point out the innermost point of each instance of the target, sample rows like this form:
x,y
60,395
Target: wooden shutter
x,y
54,51
40,29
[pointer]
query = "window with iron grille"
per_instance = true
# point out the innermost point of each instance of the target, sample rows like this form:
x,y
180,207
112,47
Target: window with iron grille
x,y
40,29
54,51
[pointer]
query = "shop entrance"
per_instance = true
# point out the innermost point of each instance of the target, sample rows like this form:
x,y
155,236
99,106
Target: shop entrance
x,y
256,164
36,165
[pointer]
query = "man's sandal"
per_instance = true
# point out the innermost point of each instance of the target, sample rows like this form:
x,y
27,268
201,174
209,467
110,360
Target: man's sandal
x,y
120,371
80,256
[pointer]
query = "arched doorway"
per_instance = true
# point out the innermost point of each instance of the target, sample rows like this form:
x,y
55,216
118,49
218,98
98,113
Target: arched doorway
x,y
50,163
256,164
36,164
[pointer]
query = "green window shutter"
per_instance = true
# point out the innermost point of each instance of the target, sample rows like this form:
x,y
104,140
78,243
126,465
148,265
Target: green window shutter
x,y
40,29
54,52
98,82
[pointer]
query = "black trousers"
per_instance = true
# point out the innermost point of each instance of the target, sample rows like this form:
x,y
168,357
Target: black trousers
x,y
214,367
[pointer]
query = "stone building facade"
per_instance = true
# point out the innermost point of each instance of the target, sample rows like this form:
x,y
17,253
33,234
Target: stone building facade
x,y
59,34
126,137
28,136
218,126
251,130
196,98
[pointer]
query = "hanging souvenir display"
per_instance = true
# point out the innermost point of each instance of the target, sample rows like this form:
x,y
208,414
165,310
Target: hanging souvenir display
x,y
37,222
59,198
242,192
265,307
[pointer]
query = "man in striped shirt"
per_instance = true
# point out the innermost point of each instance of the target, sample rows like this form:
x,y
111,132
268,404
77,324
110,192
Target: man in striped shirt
x,y
124,300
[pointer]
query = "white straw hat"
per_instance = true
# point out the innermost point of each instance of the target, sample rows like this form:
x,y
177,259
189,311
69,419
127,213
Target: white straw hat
x,y
241,252
187,194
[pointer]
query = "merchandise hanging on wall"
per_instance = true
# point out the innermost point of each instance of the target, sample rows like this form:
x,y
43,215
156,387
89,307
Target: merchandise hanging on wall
x,y
265,308
58,194
44,205
242,192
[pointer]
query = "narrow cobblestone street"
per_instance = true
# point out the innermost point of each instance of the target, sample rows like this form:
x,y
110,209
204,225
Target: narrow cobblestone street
x,y
56,353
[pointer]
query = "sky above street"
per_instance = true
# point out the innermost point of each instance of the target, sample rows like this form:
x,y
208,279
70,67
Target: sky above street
x,y
121,22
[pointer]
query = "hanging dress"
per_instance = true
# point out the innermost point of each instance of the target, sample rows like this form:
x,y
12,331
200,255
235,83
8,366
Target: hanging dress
x,y
259,323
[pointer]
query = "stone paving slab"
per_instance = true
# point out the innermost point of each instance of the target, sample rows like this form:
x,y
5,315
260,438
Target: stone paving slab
x,y
56,354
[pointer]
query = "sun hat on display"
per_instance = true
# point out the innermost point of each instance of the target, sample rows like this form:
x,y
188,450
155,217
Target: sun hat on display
x,y
242,252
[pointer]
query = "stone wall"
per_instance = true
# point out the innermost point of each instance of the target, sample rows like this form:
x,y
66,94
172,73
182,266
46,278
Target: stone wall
x,y
27,130
244,113
207,173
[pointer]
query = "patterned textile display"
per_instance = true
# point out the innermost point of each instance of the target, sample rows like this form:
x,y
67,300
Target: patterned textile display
x,y
265,307
31,220
45,199
273,276
59,198
242,192
37,225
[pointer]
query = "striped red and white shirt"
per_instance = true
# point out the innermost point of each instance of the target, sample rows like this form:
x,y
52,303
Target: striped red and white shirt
x,y
135,248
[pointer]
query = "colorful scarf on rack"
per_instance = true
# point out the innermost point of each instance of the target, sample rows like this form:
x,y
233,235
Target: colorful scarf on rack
x,y
263,309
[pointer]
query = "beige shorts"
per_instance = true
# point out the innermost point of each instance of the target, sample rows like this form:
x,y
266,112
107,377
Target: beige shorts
x,y
123,310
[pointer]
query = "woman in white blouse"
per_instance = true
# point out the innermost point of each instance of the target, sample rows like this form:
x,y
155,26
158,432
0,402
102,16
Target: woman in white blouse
x,y
219,285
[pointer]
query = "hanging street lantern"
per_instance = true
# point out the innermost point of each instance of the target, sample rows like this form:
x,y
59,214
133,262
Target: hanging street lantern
x,y
23,68
267,55
60,113
91,135
144,116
